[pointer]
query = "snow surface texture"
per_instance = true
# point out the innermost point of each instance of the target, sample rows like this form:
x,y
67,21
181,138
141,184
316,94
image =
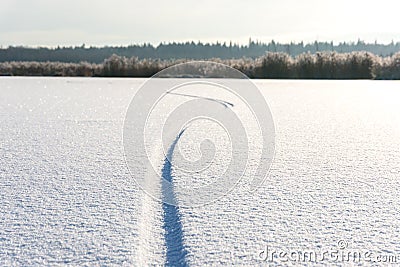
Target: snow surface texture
x,y
68,198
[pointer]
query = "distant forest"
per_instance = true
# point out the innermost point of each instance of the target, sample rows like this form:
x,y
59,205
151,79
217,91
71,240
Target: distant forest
x,y
188,50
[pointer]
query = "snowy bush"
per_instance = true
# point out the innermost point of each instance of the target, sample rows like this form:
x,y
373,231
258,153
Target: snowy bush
x,y
321,65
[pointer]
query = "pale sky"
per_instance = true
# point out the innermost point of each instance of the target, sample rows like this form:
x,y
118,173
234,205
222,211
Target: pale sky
x,y
124,22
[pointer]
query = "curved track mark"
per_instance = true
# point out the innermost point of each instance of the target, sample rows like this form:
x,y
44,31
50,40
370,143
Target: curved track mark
x,y
176,251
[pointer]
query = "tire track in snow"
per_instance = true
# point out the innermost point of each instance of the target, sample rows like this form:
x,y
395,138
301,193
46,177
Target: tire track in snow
x,y
160,228
222,102
176,251
150,237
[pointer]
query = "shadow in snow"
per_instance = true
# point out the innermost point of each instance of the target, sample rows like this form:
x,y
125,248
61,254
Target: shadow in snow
x,y
176,252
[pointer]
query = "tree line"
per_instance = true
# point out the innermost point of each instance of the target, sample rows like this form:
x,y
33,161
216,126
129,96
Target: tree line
x,y
192,50
272,65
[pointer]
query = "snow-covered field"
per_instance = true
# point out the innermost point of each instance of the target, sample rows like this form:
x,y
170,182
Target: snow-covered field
x,y
68,198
